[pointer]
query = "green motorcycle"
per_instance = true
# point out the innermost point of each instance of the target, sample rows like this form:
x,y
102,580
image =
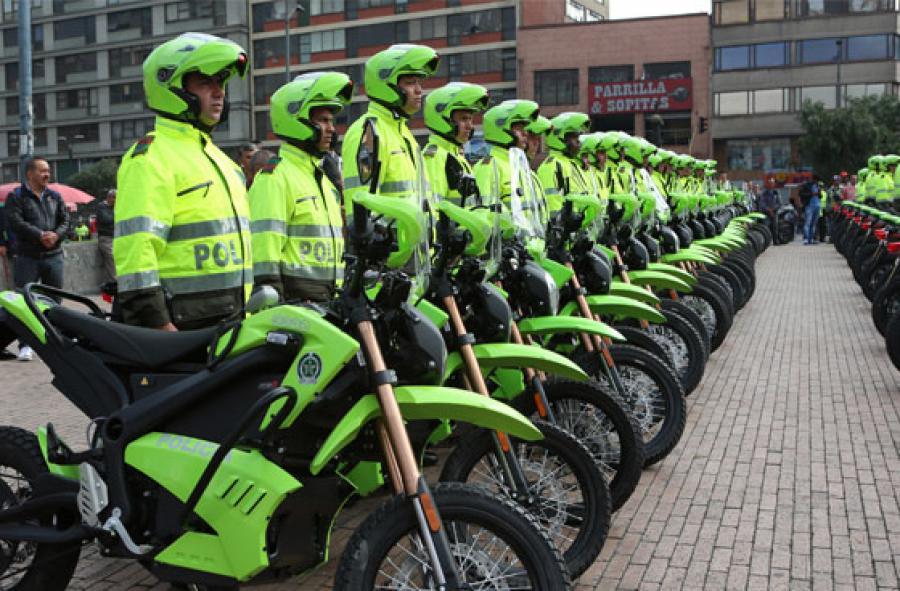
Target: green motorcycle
x,y
222,456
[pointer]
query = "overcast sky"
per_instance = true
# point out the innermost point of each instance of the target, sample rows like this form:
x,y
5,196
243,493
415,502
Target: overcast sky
x,y
640,8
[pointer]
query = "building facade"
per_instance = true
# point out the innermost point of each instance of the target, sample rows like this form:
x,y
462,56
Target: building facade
x,y
769,56
87,84
648,77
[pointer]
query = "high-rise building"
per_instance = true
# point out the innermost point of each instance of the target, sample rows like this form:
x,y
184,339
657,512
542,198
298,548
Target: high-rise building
x,y
87,85
769,56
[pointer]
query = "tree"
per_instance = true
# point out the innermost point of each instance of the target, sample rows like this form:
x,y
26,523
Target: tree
x,y
843,139
97,178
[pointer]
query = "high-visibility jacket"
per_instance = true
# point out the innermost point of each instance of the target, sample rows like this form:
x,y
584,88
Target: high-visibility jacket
x,y
880,186
397,149
561,175
298,230
860,190
440,154
484,172
182,236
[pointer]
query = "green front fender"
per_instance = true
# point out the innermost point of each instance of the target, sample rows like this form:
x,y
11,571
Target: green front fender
x,y
426,403
515,356
635,292
674,271
611,305
687,255
14,305
658,280
567,323
716,244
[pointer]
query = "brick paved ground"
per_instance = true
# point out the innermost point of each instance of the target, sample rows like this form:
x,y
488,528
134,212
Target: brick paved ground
x,y
787,476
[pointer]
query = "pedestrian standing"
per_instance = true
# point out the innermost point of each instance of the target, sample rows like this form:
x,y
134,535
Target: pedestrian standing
x,y
768,204
245,156
7,250
38,219
106,222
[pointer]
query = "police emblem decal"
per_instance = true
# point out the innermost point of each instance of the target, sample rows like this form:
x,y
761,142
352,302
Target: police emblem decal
x,y
309,368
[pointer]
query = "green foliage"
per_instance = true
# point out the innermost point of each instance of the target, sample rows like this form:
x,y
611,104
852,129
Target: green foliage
x,y
842,139
97,178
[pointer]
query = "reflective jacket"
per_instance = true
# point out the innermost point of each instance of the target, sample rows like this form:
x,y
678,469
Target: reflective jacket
x,y
298,230
484,170
440,154
396,154
880,186
561,175
182,233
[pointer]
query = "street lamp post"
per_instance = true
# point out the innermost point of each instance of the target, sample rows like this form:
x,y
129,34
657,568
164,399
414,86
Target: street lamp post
x,y
69,144
840,58
288,13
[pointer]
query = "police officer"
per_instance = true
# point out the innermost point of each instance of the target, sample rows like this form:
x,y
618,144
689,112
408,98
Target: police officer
x,y
562,172
393,81
504,127
295,214
182,235
450,113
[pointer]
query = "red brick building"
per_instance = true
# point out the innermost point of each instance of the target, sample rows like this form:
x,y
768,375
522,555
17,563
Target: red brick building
x,y
646,76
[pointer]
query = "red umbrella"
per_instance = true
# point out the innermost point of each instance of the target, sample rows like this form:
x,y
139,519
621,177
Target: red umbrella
x,y
70,195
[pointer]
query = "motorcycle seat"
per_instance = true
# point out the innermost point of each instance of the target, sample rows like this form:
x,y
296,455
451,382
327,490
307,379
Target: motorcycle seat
x,y
146,348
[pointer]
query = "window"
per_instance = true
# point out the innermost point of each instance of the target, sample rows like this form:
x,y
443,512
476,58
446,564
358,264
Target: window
x,y
74,28
768,10
75,64
485,21
90,133
130,19
12,76
265,86
817,51
675,129
610,74
327,40
317,7
475,62
768,155
770,55
508,64
126,93
838,7
556,87
196,9
38,105
11,37
263,127
868,47
124,133
731,103
667,70
127,57
731,12
732,58
37,37
37,69
853,91
579,14
77,99
428,28
827,95
508,26
774,100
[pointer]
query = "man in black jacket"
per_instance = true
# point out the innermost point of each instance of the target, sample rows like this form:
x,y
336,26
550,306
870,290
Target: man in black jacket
x,y
105,232
38,219
7,250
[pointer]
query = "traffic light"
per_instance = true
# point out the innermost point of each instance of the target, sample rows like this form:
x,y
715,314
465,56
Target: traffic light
x,y
704,124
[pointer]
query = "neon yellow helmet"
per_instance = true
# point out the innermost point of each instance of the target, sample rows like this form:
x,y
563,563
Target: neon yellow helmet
x,y
540,126
565,124
292,104
498,120
384,69
166,66
456,96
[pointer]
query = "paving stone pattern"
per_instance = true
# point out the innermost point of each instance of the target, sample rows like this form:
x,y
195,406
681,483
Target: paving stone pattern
x,y
787,476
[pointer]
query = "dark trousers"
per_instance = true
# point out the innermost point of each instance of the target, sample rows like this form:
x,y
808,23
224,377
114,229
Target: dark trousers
x,y
48,270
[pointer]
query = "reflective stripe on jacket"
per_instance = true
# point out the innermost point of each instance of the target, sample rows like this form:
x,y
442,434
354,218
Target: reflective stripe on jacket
x,y
182,231
298,240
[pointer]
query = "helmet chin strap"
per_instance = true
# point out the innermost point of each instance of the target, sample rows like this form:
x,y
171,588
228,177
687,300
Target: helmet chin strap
x,y
192,113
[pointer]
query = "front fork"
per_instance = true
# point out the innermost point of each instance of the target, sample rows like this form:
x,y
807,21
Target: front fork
x,y
401,465
506,457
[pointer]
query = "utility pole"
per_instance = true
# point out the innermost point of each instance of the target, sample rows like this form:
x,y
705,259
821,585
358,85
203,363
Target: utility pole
x,y
26,105
840,58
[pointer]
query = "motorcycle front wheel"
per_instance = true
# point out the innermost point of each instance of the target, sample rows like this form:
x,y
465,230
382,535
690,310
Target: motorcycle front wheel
x,y
496,546
566,491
